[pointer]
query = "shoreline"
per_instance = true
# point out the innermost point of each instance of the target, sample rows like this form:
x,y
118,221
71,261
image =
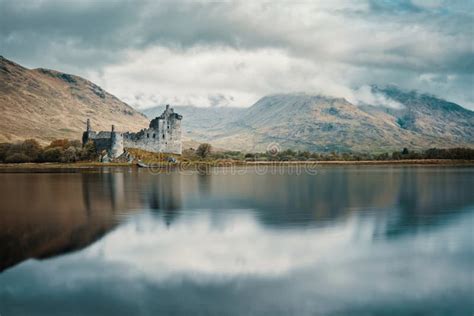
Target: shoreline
x,y
226,163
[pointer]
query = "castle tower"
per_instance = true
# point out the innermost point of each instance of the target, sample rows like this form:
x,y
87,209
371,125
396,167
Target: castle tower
x,y
88,134
116,143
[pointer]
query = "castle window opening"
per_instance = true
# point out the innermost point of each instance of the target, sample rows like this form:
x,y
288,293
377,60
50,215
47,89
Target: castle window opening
x,y
154,135
147,135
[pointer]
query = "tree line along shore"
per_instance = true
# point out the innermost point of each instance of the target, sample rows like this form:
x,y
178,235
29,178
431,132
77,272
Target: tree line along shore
x,y
66,151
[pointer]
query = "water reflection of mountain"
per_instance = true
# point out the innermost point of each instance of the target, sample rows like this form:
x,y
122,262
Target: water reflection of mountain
x,y
413,196
424,198
49,214
46,214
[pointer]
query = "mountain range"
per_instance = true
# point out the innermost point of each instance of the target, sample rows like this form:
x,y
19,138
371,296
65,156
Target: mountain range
x,y
46,104
320,123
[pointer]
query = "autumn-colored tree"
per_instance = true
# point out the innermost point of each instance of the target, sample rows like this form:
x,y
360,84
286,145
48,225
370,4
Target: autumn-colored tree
x,y
63,143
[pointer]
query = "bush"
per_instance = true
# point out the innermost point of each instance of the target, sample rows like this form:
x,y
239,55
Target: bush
x,y
60,150
70,155
396,155
203,150
52,155
4,148
31,148
383,156
17,158
75,143
89,152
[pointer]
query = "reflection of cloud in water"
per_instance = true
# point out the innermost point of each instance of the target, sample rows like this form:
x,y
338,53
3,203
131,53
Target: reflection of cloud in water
x,y
193,244
239,245
198,265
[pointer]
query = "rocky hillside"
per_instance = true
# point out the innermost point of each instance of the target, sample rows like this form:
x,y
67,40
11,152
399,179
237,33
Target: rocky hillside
x,y
318,123
46,104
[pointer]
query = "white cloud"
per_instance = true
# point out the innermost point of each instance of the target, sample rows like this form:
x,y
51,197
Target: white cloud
x,y
225,76
206,75
365,96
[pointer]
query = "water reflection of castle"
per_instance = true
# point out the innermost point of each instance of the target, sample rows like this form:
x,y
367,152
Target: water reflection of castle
x,y
122,191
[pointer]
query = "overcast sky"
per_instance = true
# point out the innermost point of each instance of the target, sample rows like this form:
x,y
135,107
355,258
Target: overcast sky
x,y
232,53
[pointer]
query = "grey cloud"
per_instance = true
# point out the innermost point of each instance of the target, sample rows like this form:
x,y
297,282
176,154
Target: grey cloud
x,y
62,32
378,41
106,26
91,23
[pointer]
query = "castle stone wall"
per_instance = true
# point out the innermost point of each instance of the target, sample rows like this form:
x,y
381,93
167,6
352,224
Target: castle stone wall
x,y
163,135
102,144
116,145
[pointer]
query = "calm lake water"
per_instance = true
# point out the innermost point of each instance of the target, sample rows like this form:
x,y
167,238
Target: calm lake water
x,y
368,240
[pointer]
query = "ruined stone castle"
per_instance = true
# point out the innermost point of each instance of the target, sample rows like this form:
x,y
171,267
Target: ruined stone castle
x,y
162,136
